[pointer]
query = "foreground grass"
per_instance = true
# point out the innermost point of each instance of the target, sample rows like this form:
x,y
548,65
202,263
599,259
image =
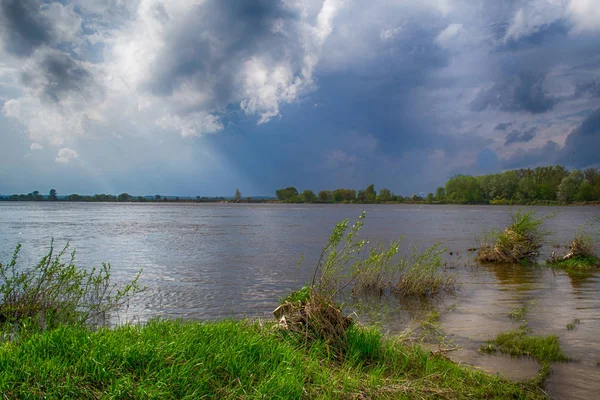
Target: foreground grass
x,y
229,359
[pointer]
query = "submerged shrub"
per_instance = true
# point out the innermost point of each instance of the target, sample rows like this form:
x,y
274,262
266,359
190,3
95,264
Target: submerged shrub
x,y
581,255
55,292
423,275
519,242
312,311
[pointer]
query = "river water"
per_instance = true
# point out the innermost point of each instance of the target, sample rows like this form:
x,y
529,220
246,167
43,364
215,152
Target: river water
x,y
208,261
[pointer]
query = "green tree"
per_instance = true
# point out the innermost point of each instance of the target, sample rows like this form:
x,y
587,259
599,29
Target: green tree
x,y
569,187
429,198
238,195
325,196
124,197
308,196
370,194
286,194
52,195
440,194
157,197
385,195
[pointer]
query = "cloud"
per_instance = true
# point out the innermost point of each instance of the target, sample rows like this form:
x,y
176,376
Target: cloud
x,y
36,146
520,136
583,143
28,24
539,156
585,14
580,149
589,89
524,93
66,155
503,126
54,76
451,32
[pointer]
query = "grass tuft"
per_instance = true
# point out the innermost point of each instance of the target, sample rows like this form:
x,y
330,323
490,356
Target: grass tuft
x,y
518,243
520,342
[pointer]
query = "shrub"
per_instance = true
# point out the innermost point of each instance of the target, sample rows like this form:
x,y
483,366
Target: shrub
x,y
581,254
54,293
519,242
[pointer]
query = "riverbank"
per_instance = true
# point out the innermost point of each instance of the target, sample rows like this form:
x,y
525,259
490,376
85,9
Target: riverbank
x,y
234,359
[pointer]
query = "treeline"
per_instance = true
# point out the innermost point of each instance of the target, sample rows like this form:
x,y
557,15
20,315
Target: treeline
x,y
542,185
368,195
123,198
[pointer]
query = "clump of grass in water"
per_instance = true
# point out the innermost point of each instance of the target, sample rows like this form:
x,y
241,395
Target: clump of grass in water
x,y
581,256
520,342
422,274
571,325
518,243
518,314
55,293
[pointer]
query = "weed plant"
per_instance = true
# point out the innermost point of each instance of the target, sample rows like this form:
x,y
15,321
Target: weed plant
x,y
518,243
581,256
55,293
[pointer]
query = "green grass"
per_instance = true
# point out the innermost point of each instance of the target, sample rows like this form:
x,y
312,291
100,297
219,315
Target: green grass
x,y
521,342
232,359
578,263
518,314
571,325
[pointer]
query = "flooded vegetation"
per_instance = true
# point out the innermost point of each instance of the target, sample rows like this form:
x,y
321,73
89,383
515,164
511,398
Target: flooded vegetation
x,y
533,324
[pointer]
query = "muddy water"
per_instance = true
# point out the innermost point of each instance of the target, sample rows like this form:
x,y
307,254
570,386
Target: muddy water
x,y
213,261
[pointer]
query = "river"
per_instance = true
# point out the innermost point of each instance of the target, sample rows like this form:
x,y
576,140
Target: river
x,y
208,261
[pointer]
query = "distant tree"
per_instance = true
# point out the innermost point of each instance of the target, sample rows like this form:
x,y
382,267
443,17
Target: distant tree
x,y
385,195
123,197
370,194
569,186
440,194
52,196
248,199
308,196
157,197
238,195
287,194
325,196
361,196
429,198
342,194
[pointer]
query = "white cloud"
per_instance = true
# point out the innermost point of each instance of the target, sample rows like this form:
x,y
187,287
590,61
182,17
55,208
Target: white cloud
x,y
36,146
12,108
450,33
585,14
66,155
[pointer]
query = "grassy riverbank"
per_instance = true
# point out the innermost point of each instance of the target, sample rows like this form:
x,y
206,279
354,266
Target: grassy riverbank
x,y
232,359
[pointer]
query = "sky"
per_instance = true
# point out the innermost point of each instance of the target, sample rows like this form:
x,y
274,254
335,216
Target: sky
x,y
200,97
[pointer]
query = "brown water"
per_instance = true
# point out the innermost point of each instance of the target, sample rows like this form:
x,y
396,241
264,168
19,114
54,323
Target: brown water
x,y
220,260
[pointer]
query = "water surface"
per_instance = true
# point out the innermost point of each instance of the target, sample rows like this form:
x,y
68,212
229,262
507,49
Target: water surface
x,y
208,261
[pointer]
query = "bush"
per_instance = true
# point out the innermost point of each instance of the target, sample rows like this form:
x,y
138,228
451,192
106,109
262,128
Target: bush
x,y
581,254
519,242
54,293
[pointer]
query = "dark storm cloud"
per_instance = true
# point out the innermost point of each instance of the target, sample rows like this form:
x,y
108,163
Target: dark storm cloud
x,y
589,89
503,126
55,74
520,136
582,147
524,93
216,38
545,155
23,26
